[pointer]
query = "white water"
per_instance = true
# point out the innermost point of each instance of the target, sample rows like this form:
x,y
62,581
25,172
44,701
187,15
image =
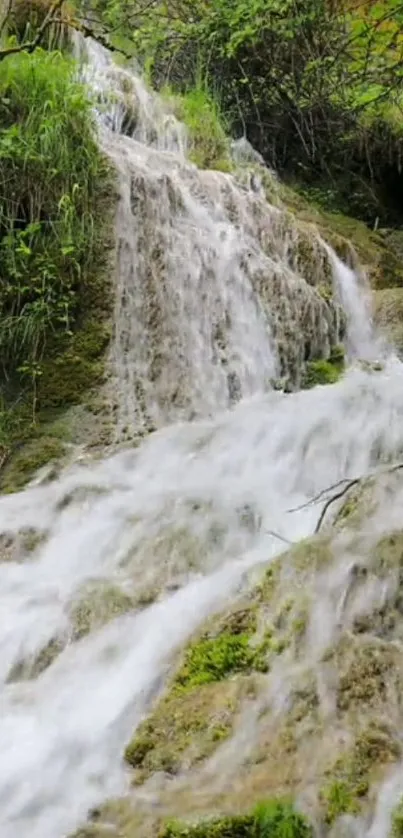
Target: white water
x,y
196,506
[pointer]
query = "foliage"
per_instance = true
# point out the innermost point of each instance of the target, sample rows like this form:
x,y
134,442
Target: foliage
x,y
199,109
316,86
52,185
270,819
322,371
34,455
215,658
339,799
351,775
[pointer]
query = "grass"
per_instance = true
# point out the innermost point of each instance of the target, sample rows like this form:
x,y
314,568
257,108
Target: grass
x,y
270,819
199,109
56,198
48,204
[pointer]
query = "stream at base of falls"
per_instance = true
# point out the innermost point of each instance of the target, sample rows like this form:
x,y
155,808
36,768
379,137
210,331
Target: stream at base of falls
x,y
177,524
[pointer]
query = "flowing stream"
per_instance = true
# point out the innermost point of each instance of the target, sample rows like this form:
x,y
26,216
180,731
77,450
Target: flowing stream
x,y
181,519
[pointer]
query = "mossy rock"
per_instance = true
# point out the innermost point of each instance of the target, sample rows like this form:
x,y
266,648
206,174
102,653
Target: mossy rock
x,y
98,603
350,777
367,671
30,669
388,312
28,460
379,252
76,370
185,728
387,554
356,506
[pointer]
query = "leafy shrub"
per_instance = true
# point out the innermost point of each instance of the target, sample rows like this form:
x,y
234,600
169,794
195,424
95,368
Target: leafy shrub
x,y
315,86
320,372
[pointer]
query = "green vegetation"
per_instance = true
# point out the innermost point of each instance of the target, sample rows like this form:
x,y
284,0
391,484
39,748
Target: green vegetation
x,y
184,730
214,658
324,371
98,603
269,820
316,86
200,111
55,201
351,774
397,821
272,819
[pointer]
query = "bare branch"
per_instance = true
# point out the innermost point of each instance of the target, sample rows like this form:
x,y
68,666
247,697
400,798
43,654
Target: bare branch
x,y
335,497
30,46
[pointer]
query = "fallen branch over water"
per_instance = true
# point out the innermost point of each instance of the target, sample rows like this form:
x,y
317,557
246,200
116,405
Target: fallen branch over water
x,y
346,484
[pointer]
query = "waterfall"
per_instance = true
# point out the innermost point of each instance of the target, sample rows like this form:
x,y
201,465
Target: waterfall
x,y
212,303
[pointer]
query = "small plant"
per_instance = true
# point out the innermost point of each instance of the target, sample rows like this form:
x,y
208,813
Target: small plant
x,y
339,799
320,372
212,659
215,658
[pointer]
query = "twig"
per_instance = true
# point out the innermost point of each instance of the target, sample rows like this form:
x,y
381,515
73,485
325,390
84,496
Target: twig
x,y
347,485
337,496
280,537
319,497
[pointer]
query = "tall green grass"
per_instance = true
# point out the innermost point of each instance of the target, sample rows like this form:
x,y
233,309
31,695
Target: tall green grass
x,y
199,108
52,182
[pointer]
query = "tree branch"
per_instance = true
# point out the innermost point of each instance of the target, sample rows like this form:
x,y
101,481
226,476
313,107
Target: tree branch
x,y
30,46
343,487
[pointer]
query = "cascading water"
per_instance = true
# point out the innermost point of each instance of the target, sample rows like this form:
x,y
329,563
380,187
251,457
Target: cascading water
x,y
211,305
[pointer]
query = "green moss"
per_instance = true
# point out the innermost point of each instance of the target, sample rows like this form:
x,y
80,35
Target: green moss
x,y
339,799
56,306
98,603
365,674
271,819
184,728
26,462
397,821
320,372
215,658
311,554
387,555
352,773
32,668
